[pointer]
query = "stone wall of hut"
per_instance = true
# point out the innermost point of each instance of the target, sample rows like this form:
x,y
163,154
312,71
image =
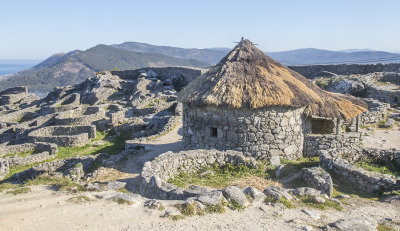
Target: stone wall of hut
x,y
258,133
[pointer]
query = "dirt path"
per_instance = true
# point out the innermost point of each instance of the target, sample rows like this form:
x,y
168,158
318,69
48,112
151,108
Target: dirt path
x,y
44,209
383,138
131,169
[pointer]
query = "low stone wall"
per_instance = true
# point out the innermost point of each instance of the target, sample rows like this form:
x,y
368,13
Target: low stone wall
x,y
4,168
60,167
15,116
388,156
347,141
365,180
65,104
311,71
189,73
39,147
376,112
319,179
383,94
13,95
44,151
156,173
34,158
64,135
80,116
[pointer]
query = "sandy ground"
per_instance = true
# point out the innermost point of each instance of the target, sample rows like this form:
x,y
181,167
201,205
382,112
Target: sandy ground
x,y
45,209
383,138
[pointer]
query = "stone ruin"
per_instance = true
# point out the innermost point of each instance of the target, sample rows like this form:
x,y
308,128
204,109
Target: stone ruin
x,y
67,136
142,102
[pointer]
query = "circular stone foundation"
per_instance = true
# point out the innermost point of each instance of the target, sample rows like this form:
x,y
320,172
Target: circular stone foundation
x,y
155,173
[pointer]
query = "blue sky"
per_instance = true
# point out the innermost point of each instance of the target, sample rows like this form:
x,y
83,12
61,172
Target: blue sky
x,y
37,29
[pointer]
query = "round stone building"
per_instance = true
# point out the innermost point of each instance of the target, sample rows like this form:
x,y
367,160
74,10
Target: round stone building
x,y
253,104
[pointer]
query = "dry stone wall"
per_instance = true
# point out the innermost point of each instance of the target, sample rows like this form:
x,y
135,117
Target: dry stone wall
x,y
347,142
311,71
258,133
365,180
155,174
64,135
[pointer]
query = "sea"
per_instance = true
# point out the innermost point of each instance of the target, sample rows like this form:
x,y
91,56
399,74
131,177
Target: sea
x,y
12,66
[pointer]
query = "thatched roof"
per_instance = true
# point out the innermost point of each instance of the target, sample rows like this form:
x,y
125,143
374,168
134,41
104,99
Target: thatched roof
x,y
247,78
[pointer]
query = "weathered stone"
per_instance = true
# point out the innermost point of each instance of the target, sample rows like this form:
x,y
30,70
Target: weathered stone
x,y
355,224
305,191
319,179
319,200
277,193
255,195
211,198
115,185
4,168
313,214
235,194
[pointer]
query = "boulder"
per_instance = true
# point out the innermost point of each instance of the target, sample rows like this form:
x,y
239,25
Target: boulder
x,y
389,123
255,195
210,198
115,185
348,86
305,191
235,194
277,193
355,224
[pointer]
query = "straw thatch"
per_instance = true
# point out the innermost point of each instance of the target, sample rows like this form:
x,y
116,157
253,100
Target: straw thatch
x,y
247,78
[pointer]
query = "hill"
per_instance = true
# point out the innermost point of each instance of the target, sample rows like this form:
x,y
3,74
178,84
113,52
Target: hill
x,y
312,56
208,55
74,67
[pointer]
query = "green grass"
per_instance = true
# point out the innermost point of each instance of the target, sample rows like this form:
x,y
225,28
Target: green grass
x,y
218,208
60,183
123,190
19,191
186,209
8,186
295,166
342,186
385,227
123,201
222,176
20,154
79,199
374,166
177,217
154,103
309,202
288,204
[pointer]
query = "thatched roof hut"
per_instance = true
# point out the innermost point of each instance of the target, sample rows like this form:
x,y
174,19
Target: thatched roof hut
x,y
248,78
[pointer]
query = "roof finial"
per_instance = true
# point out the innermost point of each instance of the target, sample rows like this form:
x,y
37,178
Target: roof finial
x,y
242,38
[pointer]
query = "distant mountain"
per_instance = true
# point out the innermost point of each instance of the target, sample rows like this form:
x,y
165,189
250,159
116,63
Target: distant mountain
x,y
74,67
310,56
209,55
307,56
355,50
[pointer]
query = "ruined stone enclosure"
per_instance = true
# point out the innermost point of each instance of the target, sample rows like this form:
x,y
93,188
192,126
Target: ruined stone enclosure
x,y
67,136
258,133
